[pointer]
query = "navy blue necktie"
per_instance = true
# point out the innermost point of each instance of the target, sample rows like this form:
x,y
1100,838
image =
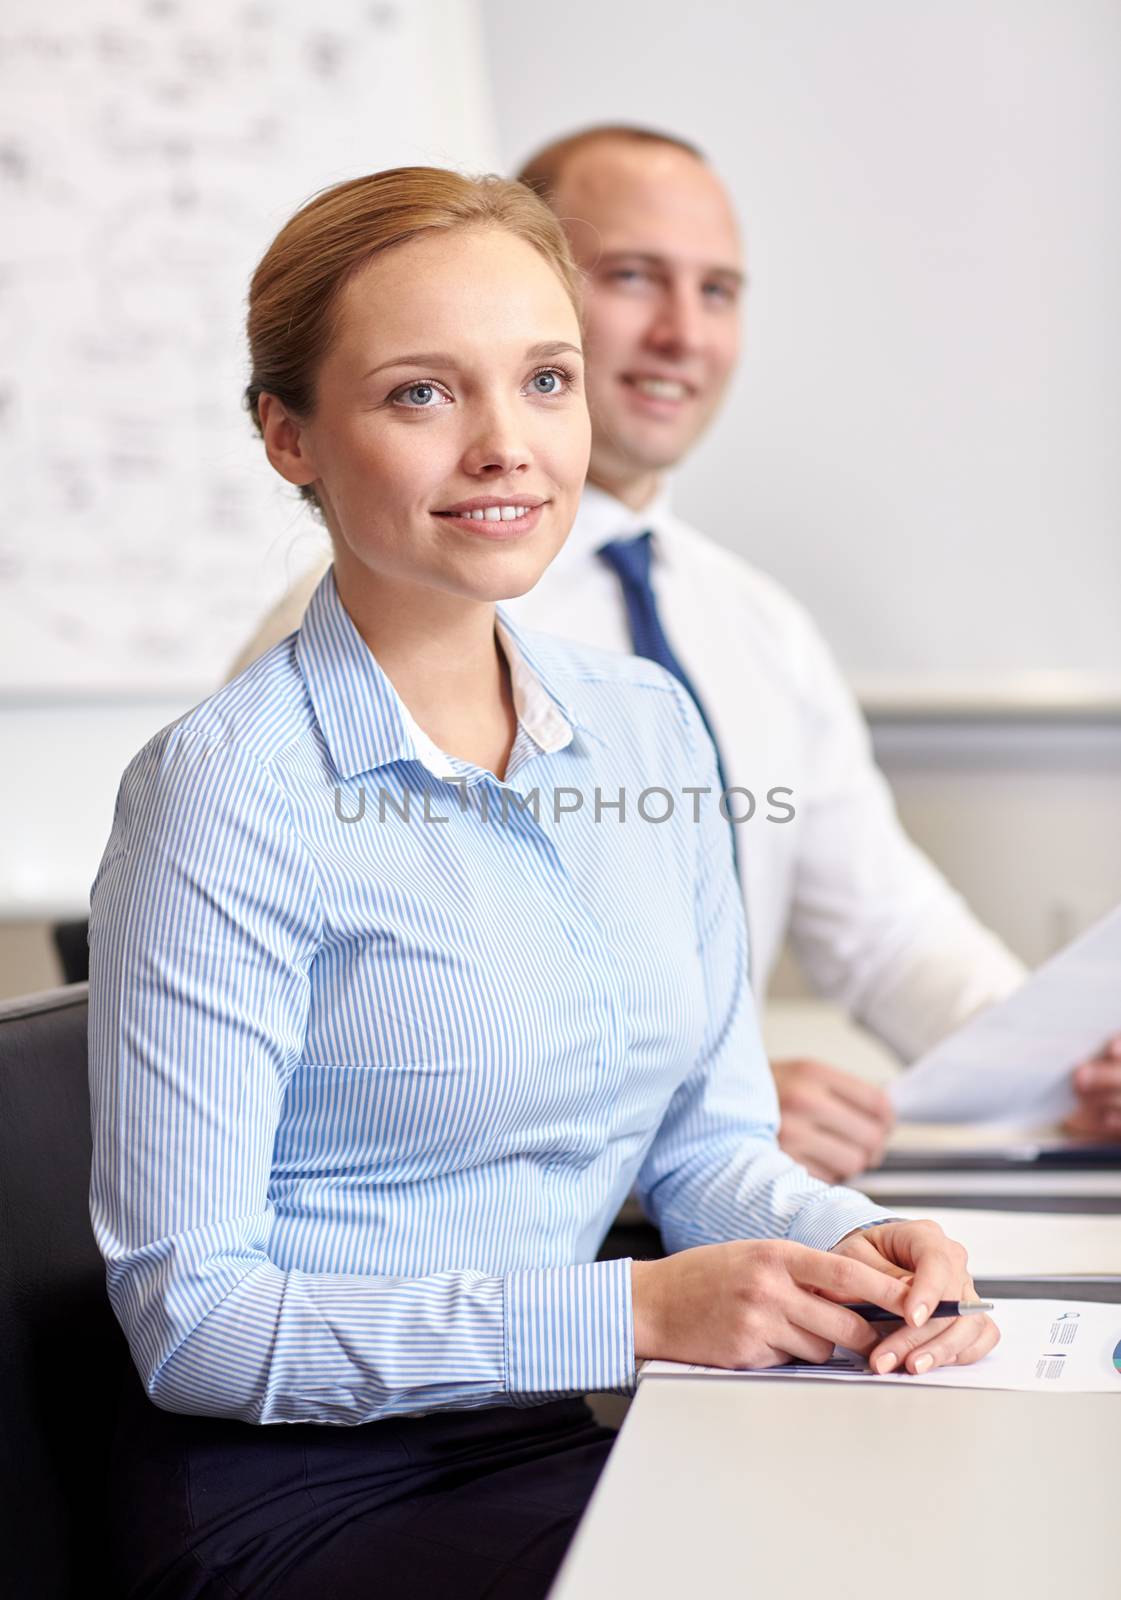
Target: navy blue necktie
x,y
630,559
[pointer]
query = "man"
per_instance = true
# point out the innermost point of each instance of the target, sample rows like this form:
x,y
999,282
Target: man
x,y
873,924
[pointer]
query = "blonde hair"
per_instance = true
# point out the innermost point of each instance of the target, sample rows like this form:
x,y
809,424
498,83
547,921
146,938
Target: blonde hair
x,y
294,295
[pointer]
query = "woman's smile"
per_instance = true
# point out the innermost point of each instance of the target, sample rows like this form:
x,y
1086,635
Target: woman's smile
x,y
491,517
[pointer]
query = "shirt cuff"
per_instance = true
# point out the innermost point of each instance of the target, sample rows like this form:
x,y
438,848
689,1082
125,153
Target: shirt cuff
x,y
825,1221
569,1330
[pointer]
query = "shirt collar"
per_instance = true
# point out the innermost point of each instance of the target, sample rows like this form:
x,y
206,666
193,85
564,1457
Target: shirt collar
x,y
601,517
364,721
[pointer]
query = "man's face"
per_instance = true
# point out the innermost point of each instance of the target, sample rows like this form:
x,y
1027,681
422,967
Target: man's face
x,y
653,228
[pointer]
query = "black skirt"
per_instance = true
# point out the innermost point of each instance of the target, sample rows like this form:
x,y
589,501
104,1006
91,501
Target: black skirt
x,y
456,1503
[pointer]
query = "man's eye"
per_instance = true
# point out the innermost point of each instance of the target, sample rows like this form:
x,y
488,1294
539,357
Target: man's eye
x,y
720,291
419,396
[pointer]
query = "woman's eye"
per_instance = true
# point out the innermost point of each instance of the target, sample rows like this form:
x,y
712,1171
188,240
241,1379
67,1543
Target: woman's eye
x,y
419,396
551,381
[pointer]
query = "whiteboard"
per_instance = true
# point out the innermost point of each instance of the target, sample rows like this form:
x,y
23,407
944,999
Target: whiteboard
x,y
149,151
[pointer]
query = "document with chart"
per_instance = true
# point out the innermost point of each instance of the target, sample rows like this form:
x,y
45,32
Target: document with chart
x,y
1053,1346
1012,1062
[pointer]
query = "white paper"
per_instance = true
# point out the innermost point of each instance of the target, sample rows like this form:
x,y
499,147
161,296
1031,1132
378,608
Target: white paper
x,y
1032,1244
966,1138
1015,1058
1047,1346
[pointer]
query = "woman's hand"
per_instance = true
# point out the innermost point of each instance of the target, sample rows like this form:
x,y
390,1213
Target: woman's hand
x,y
928,1267
757,1303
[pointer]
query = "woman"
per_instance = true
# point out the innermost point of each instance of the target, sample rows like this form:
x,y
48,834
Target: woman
x,y
398,984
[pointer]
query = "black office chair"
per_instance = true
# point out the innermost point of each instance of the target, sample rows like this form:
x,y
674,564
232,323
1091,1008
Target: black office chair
x,y
71,942
63,1357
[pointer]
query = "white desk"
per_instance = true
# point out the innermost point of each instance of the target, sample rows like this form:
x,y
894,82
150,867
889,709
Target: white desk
x,y
816,1491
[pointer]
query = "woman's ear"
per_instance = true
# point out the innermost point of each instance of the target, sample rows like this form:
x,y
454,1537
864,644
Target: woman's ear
x,y
287,444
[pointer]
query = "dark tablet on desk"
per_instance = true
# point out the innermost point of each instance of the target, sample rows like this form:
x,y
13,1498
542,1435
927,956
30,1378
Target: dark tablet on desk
x,y
1062,1156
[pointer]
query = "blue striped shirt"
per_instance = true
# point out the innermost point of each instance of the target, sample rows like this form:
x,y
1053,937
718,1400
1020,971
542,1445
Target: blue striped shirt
x,y
368,1091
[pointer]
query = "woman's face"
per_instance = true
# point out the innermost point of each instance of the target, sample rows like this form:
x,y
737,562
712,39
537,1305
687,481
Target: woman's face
x,y
454,384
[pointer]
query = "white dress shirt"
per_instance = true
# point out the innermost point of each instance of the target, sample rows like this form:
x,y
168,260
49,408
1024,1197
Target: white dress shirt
x,y
874,925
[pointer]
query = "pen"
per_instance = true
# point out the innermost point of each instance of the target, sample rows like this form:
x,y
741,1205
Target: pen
x,y
944,1308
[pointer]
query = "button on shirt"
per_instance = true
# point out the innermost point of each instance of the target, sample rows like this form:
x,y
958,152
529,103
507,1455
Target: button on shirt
x,y
367,1092
874,925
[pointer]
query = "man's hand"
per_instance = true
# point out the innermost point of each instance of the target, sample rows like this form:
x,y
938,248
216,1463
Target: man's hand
x,y
1097,1084
928,1267
832,1122
759,1303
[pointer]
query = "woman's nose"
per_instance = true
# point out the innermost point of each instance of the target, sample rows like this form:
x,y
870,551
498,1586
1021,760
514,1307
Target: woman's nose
x,y
499,446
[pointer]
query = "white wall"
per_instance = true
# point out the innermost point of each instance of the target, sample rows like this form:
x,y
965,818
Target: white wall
x,y
1022,817
923,441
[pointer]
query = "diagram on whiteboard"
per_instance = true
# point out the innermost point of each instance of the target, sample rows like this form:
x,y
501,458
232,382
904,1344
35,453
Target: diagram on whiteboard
x,y
149,150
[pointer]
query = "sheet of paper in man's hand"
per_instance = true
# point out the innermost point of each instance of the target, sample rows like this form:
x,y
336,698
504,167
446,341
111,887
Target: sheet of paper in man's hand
x,y
1013,1061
